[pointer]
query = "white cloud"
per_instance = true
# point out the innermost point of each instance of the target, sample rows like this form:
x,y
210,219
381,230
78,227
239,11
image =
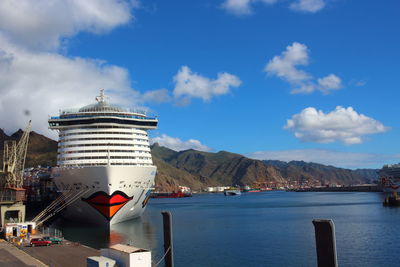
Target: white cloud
x,y
308,6
35,79
45,82
41,24
269,2
157,96
179,145
245,7
329,157
360,83
238,7
192,85
330,82
286,66
357,83
342,124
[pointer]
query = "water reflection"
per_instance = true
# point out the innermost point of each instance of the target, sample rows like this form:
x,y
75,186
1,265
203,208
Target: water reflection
x,y
138,232
260,229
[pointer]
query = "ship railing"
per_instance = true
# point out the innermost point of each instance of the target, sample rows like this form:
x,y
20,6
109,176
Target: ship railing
x,y
100,114
102,109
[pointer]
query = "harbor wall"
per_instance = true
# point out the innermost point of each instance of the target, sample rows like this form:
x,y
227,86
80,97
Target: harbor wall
x,y
356,188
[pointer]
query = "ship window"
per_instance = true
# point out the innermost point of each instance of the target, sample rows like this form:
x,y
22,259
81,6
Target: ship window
x,y
91,133
96,138
99,127
97,151
103,144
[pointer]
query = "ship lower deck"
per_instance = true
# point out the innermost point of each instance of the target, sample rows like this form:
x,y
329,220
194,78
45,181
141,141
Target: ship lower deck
x,y
110,194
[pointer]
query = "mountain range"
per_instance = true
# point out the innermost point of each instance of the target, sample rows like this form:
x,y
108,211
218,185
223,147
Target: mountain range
x,y
198,169
225,168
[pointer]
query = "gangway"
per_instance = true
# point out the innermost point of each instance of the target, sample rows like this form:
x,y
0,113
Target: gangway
x,y
64,200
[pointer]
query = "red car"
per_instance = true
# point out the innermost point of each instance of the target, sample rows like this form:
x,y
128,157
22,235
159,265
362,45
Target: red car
x,y
39,242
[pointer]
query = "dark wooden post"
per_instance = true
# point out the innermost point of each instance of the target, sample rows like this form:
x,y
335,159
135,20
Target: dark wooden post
x,y
168,245
325,242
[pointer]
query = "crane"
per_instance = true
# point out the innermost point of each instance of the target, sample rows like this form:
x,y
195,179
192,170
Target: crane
x,y
14,160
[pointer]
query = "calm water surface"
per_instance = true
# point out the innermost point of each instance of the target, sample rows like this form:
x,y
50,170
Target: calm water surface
x,y
260,229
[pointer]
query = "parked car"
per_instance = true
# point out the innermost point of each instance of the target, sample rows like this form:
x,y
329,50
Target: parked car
x,y
39,242
53,240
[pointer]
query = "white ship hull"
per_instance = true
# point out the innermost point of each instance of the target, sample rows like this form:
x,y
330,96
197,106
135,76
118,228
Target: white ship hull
x,y
115,193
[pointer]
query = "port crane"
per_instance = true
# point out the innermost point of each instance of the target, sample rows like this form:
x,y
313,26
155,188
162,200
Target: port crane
x,y
12,195
14,160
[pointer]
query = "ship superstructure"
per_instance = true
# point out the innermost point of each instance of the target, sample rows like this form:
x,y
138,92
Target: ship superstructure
x,y
105,150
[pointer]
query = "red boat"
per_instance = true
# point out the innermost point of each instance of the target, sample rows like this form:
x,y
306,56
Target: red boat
x,y
254,190
178,194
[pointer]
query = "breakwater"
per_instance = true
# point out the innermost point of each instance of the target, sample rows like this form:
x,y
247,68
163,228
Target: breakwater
x,y
355,188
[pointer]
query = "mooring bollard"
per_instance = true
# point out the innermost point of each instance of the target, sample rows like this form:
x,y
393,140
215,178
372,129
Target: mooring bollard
x,y
325,242
168,246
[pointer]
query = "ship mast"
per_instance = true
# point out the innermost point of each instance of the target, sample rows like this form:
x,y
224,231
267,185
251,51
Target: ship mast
x,y
102,97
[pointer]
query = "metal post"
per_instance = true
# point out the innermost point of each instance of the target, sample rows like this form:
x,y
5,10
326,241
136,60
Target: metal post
x,y
325,242
168,245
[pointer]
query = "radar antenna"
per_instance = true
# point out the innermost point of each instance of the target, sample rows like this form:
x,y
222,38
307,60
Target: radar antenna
x,y
102,97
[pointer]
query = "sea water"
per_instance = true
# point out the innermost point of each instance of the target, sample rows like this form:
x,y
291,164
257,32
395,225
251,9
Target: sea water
x,y
259,229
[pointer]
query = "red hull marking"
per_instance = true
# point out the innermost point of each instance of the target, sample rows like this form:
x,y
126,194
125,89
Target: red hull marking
x,y
107,205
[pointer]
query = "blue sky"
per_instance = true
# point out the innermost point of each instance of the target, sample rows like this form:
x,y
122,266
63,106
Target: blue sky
x,y
221,75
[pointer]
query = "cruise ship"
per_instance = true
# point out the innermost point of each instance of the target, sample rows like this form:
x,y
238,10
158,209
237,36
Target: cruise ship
x,y
390,177
104,157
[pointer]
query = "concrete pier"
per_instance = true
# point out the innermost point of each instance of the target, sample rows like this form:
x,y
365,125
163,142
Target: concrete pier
x,y
65,254
58,255
12,256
